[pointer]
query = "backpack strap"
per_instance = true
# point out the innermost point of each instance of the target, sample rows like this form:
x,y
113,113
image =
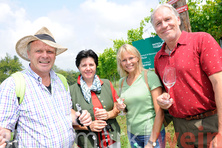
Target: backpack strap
x,y
146,79
20,86
64,80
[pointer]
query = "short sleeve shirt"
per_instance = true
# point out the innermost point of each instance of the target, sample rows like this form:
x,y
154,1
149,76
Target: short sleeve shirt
x,y
140,109
196,57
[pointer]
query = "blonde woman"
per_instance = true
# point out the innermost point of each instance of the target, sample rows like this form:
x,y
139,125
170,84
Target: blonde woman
x,y
144,116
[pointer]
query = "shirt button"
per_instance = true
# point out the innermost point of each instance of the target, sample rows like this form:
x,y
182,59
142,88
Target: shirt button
x,y
104,106
98,96
101,100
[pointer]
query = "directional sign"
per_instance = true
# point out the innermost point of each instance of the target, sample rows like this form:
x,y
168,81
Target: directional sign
x,y
172,2
182,9
148,49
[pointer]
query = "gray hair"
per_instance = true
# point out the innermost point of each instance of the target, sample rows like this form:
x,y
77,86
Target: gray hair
x,y
174,11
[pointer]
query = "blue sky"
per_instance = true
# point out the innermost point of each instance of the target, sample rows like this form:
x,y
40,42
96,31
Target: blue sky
x,y
75,24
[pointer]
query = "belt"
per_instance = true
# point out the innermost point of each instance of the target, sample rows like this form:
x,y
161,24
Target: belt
x,y
202,115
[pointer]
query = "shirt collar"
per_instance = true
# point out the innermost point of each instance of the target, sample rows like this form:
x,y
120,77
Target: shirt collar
x,y
183,38
78,80
37,77
182,41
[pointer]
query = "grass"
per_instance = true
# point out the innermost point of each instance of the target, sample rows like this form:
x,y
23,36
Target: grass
x,y
170,136
124,139
170,141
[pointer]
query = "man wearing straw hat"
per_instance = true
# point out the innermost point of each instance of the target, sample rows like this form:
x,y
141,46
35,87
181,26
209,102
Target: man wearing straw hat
x,y
44,118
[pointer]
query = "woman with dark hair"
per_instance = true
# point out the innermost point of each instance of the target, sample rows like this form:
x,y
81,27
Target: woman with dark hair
x,y
98,96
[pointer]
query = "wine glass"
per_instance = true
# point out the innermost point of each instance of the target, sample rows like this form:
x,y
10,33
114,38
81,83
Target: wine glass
x,y
120,101
169,77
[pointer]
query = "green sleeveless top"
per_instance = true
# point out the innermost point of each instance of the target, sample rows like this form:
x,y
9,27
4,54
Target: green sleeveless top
x,y
106,98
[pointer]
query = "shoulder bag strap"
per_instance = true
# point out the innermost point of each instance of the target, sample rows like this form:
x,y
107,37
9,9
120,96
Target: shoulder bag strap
x,y
146,79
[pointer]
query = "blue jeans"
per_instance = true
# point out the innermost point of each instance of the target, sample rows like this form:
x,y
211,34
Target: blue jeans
x,y
142,140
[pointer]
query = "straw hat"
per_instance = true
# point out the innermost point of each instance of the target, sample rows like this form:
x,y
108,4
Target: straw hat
x,y
43,35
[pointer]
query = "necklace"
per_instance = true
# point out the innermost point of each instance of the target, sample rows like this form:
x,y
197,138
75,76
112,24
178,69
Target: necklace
x,y
169,49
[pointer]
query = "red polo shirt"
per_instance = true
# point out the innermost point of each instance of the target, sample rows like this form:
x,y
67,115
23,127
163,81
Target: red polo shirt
x,y
196,57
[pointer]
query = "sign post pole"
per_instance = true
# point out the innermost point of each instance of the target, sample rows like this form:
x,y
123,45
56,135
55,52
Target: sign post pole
x,y
182,8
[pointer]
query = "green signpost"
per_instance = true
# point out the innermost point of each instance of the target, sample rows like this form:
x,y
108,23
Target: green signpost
x,y
148,48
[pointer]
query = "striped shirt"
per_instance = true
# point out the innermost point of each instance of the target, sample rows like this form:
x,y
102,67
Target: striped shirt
x,y
44,118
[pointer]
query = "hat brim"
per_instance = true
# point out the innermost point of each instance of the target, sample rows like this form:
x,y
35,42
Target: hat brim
x,y
21,46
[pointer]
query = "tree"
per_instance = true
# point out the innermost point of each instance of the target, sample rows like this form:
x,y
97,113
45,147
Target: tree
x,y
184,16
8,66
118,43
107,67
70,75
206,17
203,17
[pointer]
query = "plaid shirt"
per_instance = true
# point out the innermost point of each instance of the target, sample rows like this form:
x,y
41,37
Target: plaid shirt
x,y
44,118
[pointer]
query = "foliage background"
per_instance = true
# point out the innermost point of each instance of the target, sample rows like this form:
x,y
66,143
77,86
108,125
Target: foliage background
x,y
206,18
203,17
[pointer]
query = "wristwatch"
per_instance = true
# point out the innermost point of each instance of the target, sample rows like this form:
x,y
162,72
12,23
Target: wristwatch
x,y
153,143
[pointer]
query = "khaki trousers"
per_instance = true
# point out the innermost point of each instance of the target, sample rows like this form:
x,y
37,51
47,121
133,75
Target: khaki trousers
x,y
195,133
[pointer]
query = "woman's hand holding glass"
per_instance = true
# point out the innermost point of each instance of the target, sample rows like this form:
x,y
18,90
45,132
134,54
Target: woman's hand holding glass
x,y
121,106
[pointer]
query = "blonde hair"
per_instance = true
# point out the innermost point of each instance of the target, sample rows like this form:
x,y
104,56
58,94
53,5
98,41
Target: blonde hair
x,y
132,50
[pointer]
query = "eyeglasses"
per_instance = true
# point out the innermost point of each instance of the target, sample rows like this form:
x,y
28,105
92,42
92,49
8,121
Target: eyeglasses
x,y
129,59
